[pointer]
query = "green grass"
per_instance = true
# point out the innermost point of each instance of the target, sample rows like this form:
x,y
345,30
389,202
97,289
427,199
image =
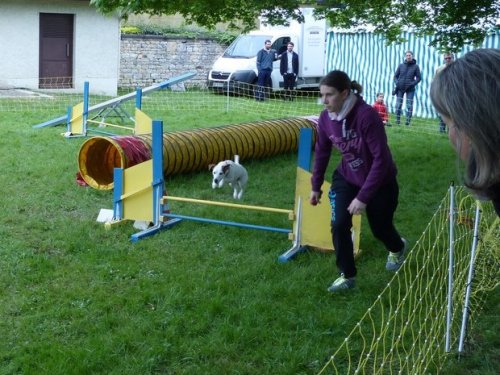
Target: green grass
x,y
195,299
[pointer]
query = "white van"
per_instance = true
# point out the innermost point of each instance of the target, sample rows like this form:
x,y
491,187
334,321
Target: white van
x,y
237,65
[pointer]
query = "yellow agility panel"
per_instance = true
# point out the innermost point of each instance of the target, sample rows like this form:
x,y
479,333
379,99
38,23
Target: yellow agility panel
x,y
77,119
137,203
315,221
143,123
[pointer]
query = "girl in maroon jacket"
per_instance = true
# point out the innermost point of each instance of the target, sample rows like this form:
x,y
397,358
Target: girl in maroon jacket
x,y
365,179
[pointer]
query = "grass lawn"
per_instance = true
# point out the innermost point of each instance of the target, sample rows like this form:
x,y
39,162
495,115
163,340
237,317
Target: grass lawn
x,y
198,298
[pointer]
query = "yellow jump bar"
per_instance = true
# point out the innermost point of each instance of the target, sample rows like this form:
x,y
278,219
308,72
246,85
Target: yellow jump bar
x,y
225,204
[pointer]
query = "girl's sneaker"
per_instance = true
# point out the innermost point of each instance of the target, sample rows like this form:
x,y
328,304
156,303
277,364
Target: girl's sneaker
x,y
342,283
394,260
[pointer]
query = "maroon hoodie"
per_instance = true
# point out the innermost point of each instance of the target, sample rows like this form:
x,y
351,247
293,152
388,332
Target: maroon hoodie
x,y
366,159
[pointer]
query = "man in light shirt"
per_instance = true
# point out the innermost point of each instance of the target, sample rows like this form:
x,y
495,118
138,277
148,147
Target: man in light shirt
x,y
289,69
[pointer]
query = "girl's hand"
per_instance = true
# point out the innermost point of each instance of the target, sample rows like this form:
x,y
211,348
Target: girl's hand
x,y
356,207
315,197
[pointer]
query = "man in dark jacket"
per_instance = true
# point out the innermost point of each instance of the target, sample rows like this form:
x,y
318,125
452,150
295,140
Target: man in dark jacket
x,y
289,69
407,76
265,58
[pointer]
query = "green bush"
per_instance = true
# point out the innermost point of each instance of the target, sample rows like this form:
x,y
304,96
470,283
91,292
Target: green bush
x,y
130,30
221,37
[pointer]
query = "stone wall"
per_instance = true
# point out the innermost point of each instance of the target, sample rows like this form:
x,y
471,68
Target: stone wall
x,y
149,59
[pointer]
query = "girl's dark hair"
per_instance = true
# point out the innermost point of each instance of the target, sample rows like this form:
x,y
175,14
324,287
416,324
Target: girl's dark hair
x,y
340,81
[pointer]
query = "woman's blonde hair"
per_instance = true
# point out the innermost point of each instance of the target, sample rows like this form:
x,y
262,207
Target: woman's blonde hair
x,y
467,91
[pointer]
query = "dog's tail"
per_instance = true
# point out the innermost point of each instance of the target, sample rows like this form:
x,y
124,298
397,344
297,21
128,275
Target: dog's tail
x,y
237,159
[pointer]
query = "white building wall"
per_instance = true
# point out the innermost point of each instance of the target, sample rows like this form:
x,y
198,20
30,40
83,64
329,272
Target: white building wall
x,y
96,42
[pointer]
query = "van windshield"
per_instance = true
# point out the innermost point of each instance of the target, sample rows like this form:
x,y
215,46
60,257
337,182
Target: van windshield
x,y
246,46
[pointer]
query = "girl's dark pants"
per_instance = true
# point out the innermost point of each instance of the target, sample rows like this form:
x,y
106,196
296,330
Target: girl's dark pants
x,y
379,211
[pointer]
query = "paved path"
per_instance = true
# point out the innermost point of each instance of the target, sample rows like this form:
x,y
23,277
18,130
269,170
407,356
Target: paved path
x,y
8,92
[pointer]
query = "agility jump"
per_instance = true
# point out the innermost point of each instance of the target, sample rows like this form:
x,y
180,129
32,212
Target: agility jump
x,y
78,121
139,195
77,117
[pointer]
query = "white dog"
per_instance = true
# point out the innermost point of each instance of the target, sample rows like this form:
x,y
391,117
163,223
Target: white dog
x,y
231,172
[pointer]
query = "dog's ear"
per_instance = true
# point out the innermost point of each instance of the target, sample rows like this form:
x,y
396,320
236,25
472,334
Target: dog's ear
x,y
225,168
211,166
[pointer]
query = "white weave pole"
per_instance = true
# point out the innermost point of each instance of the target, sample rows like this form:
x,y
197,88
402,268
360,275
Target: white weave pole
x,y
450,267
469,279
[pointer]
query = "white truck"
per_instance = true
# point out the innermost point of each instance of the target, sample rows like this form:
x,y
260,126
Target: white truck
x,y
236,68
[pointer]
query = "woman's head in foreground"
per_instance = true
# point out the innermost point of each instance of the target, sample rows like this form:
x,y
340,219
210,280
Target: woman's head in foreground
x,y
466,94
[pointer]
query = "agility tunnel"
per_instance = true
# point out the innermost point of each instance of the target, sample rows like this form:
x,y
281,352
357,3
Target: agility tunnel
x,y
190,151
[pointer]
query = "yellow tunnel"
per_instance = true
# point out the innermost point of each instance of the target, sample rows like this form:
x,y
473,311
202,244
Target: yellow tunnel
x,y
189,151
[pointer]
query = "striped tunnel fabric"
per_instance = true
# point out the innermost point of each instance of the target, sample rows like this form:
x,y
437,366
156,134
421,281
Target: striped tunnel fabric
x,y
190,150
366,58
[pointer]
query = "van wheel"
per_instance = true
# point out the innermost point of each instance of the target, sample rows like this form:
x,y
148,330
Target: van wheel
x,y
242,89
249,91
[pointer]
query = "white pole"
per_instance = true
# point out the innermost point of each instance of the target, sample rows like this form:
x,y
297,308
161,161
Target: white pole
x,y
227,99
450,267
469,280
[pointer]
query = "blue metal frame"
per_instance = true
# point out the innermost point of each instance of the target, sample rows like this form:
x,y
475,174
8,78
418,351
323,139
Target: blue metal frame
x,y
138,98
117,193
158,180
69,114
157,195
304,154
304,161
229,223
157,184
85,114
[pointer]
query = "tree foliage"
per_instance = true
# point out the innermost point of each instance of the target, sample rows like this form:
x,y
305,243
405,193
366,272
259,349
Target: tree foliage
x,y
453,23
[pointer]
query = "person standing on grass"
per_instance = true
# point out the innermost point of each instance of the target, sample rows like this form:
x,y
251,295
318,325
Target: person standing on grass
x,y
466,94
381,108
265,58
289,69
363,182
448,59
406,77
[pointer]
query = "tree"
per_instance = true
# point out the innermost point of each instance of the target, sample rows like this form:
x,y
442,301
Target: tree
x,y
452,22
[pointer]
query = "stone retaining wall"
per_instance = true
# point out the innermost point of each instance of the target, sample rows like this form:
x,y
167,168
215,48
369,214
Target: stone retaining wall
x,y
149,59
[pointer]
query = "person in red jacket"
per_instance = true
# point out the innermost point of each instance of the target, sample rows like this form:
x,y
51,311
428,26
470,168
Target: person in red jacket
x,y
381,108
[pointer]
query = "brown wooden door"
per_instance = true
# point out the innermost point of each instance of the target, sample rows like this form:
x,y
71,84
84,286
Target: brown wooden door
x,y
56,51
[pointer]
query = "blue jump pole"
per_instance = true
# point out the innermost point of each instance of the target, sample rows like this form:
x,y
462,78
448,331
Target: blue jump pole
x,y
138,98
157,184
304,161
85,115
229,223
